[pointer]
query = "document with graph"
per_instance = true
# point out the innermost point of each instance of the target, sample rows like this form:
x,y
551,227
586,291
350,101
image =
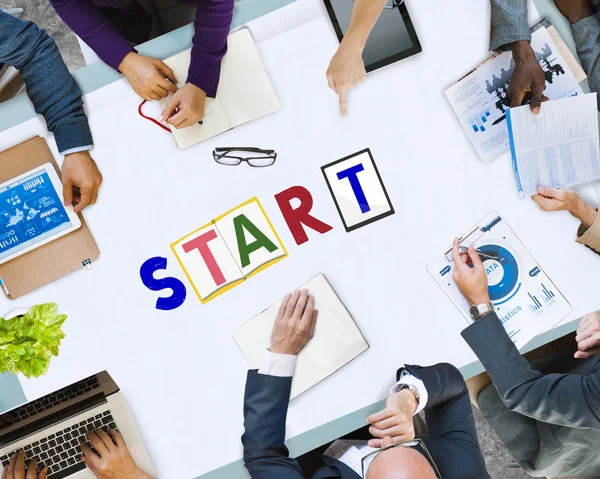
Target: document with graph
x,y
556,148
524,297
480,98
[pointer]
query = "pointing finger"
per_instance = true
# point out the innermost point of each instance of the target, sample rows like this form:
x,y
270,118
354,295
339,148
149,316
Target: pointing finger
x,y
343,102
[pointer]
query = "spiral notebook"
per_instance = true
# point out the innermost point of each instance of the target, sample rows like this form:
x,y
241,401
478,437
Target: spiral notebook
x,y
245,91
336,342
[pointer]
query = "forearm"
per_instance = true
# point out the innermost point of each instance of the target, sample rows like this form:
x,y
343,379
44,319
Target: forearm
x,y
547,398
89,23
211,28
586,32
584,213
265,412
364,16
508,23
51,88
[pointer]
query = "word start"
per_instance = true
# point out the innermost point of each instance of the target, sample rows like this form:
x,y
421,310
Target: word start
x,y
243,242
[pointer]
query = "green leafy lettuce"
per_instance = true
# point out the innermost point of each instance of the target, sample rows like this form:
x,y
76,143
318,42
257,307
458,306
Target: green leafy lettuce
x,y
28,342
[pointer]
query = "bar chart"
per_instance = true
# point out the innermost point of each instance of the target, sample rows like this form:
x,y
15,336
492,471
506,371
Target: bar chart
x,y
479,120
547,296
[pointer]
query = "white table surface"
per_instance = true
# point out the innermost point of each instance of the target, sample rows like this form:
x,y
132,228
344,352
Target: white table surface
x,y
181,372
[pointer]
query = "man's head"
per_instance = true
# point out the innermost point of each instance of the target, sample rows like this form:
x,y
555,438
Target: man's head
x,y
400,463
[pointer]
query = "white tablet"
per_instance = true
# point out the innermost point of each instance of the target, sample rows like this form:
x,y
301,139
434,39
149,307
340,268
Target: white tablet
x,y
32,212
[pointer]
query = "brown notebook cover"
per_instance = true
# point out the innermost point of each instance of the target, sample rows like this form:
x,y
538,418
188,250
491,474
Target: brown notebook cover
x,y
55,259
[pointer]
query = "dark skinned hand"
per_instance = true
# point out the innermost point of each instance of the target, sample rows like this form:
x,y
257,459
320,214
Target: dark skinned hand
x,y
527,77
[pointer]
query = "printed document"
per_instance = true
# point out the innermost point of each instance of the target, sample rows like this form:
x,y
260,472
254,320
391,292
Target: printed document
x,y
556,148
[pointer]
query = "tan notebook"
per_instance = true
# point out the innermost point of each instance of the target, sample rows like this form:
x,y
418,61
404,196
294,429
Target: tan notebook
x,y
55,259
245,91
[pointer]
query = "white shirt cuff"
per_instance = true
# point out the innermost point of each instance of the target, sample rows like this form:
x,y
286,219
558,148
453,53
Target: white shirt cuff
x,y
76,150
409,379
275,364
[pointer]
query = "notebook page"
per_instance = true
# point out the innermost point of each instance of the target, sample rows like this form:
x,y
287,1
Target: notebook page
x,y
336,342
250,237
206,261
214,121
245,90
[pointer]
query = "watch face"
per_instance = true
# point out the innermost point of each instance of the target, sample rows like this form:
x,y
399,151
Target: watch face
x,y
474,312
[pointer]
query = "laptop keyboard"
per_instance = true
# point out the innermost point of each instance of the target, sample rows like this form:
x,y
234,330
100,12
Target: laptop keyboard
x,y
49,401
61,451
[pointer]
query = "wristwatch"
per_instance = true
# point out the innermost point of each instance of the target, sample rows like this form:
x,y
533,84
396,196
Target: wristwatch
x,y
412,389
478,310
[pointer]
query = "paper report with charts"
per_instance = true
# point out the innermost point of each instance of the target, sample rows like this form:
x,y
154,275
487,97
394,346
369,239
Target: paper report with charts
x,y
480,98
336,342
525,299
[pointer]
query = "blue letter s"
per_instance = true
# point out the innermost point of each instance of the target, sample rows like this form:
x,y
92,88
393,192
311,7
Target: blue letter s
x,y
147,271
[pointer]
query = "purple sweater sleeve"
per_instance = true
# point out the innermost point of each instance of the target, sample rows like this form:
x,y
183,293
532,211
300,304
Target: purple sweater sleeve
x,y
87,21
212,24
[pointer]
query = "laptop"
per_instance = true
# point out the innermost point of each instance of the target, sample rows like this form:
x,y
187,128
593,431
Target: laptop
x,y
52,428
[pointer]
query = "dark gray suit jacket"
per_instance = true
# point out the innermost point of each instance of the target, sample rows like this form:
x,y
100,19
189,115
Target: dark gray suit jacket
x,y
549,422
452,439
509,24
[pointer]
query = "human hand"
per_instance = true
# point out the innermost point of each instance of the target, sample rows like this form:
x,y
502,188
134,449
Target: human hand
x,y
146,76
588,336
395,421
113,460
574,10
81,180
295,323
186,107
346,70
16,468
555,199
471,279
527,76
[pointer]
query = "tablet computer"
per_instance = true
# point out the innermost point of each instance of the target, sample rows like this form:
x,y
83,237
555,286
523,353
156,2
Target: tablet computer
x,y
393,37
32,212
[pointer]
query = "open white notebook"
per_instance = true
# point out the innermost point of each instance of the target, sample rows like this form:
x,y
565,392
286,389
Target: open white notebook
x,y
336,342
245,91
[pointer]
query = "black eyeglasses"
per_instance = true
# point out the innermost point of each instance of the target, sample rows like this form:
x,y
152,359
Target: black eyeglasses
x,y
417,444
256,157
